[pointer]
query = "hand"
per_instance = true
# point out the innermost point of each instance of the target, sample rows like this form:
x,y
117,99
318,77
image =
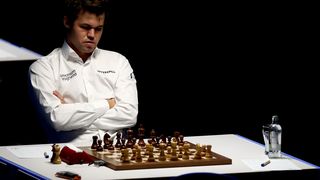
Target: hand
x,y
58,95
112,102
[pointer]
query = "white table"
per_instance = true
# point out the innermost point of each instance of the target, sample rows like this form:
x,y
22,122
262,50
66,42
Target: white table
x,y
243,152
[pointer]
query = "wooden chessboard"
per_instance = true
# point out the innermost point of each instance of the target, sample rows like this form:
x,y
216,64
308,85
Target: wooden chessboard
x,y
113,160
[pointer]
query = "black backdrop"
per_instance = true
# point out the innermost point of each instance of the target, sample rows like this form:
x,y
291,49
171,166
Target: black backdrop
x,y
201,68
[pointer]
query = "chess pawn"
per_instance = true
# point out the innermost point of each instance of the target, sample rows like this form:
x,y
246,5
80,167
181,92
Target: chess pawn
x,y
138,154
198,152
123,143
174,156
181,140
169,151
180,151
185,155
176,135
203,150
55,159
141,134
169,141
150,150
209,152
125,155
134,153
110,146
157,141
162,156
99,147
163,139
153,137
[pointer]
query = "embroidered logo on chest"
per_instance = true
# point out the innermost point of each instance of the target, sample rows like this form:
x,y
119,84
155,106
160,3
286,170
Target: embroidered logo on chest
x,y
106,72
68,76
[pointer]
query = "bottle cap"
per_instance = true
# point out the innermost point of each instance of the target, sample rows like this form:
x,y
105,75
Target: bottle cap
x,y
275,119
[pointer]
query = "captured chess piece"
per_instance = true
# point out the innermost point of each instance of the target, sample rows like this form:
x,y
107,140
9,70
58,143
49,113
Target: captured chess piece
x,y
55,159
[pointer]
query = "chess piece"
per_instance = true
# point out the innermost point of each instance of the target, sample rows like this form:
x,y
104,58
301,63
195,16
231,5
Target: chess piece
x,y
138,154
134,153
110,145
208,152
150,150
176,134
130,138
169,152
157,142
55,159
163,139
94,142
125,155
180,151
162,156
99,147
181,140
106,141
141,134
169,138
198,152
118,143
174,156
153,137
203,150
185,155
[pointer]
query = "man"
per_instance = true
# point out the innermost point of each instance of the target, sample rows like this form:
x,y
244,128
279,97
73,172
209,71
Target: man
x,y
83,90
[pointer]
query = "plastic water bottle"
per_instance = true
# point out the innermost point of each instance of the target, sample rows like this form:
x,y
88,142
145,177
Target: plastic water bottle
x,y
272,137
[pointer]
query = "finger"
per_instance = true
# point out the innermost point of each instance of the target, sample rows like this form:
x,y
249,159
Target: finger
x,y
58,95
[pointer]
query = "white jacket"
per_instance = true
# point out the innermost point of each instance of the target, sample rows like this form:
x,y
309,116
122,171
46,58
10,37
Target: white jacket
x,y
86,88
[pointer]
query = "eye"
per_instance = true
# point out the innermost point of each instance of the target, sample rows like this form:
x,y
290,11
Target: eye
x,y
86,27
98,28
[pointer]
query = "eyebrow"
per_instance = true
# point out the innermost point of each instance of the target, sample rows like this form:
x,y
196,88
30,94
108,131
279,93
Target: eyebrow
x,y
88,25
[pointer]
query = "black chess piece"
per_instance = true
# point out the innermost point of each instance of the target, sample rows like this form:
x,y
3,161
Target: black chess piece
x,y
118,138
99,147
141,135
94,142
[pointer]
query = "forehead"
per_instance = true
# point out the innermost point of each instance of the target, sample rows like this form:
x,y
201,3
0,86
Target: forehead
x,y
90,18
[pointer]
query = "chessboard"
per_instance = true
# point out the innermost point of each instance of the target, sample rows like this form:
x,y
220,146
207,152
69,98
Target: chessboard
x,y
153,154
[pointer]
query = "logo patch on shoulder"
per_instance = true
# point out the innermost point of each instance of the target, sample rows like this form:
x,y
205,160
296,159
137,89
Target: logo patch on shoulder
x,y
132,76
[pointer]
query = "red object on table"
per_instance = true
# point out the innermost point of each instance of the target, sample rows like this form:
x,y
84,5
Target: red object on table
x,y
70,156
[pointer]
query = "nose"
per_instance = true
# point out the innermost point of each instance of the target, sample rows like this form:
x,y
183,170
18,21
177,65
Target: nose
x,y
91,33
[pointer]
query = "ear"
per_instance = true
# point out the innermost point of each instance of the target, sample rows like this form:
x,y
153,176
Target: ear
x,y
66,22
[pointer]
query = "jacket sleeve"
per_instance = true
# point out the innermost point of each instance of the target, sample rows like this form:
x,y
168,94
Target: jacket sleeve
x,y
64,117
124,113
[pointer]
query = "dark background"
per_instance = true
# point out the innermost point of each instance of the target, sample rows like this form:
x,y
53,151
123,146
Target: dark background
x,y
202,68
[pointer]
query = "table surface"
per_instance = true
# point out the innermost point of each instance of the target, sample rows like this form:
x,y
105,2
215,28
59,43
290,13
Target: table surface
x,y
243,152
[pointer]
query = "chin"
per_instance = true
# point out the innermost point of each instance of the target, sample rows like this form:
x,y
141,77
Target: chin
x,y
88,50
